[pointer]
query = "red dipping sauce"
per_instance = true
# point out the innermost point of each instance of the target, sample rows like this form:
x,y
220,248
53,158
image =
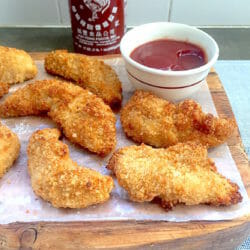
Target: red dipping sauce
x,y
166,54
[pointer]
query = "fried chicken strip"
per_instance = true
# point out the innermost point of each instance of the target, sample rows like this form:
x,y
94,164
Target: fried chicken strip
x,y
179,174
56,178
4,88
149,119
87,72
9,149
16,66
84,118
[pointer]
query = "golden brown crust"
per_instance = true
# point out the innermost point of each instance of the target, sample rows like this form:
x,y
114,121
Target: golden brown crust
x,y
59,180
149,119
4,88
179,174
88,73
84,118
16,65
9,149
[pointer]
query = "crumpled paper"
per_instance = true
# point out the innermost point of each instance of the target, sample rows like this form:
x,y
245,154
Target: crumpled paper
x,y
19,203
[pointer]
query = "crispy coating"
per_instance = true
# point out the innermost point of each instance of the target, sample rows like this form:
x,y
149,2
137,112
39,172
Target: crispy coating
x,y
179,174
84,118
87,72
58,179
4,88
9,149
16,66
149,119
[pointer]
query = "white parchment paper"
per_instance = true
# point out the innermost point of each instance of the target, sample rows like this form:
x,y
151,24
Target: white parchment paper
x,y
19,203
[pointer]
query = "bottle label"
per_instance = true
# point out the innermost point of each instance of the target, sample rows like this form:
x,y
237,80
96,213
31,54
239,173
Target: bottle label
x,y
97,25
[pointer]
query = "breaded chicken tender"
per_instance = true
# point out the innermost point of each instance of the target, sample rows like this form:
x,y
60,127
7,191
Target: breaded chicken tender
x,y
149,119
4,88
84,118
16,66
87,72
56,178
9,149
179,174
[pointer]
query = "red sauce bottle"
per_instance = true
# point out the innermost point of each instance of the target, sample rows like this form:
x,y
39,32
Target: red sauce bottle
x,y
97,26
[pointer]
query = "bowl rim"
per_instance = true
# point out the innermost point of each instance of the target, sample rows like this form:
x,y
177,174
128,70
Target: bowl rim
x,y
202,68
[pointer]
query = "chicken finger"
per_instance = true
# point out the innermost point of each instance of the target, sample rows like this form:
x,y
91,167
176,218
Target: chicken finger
x,y
9,149
179,174
16,66
58,179
149,119
87,72
84,118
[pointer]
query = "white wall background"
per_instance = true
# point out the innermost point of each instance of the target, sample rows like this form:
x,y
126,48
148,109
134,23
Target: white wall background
x,y
194,12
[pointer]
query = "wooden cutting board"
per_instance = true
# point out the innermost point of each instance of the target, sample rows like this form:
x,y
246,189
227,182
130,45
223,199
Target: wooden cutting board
x,y
140,234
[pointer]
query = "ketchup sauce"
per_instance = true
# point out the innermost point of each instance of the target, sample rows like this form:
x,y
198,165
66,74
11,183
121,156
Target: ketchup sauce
x,y
166,54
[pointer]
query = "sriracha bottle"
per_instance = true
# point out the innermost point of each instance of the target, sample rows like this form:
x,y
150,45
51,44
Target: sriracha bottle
x,y
97,25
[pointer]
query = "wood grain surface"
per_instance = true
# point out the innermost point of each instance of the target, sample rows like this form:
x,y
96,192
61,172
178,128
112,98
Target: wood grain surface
x,y
143,234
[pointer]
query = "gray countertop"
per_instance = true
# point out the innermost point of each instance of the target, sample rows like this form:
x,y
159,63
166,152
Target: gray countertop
x,y
233,42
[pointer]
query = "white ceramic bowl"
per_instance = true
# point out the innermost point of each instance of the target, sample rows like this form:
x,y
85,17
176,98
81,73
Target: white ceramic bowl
x,y
171,85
